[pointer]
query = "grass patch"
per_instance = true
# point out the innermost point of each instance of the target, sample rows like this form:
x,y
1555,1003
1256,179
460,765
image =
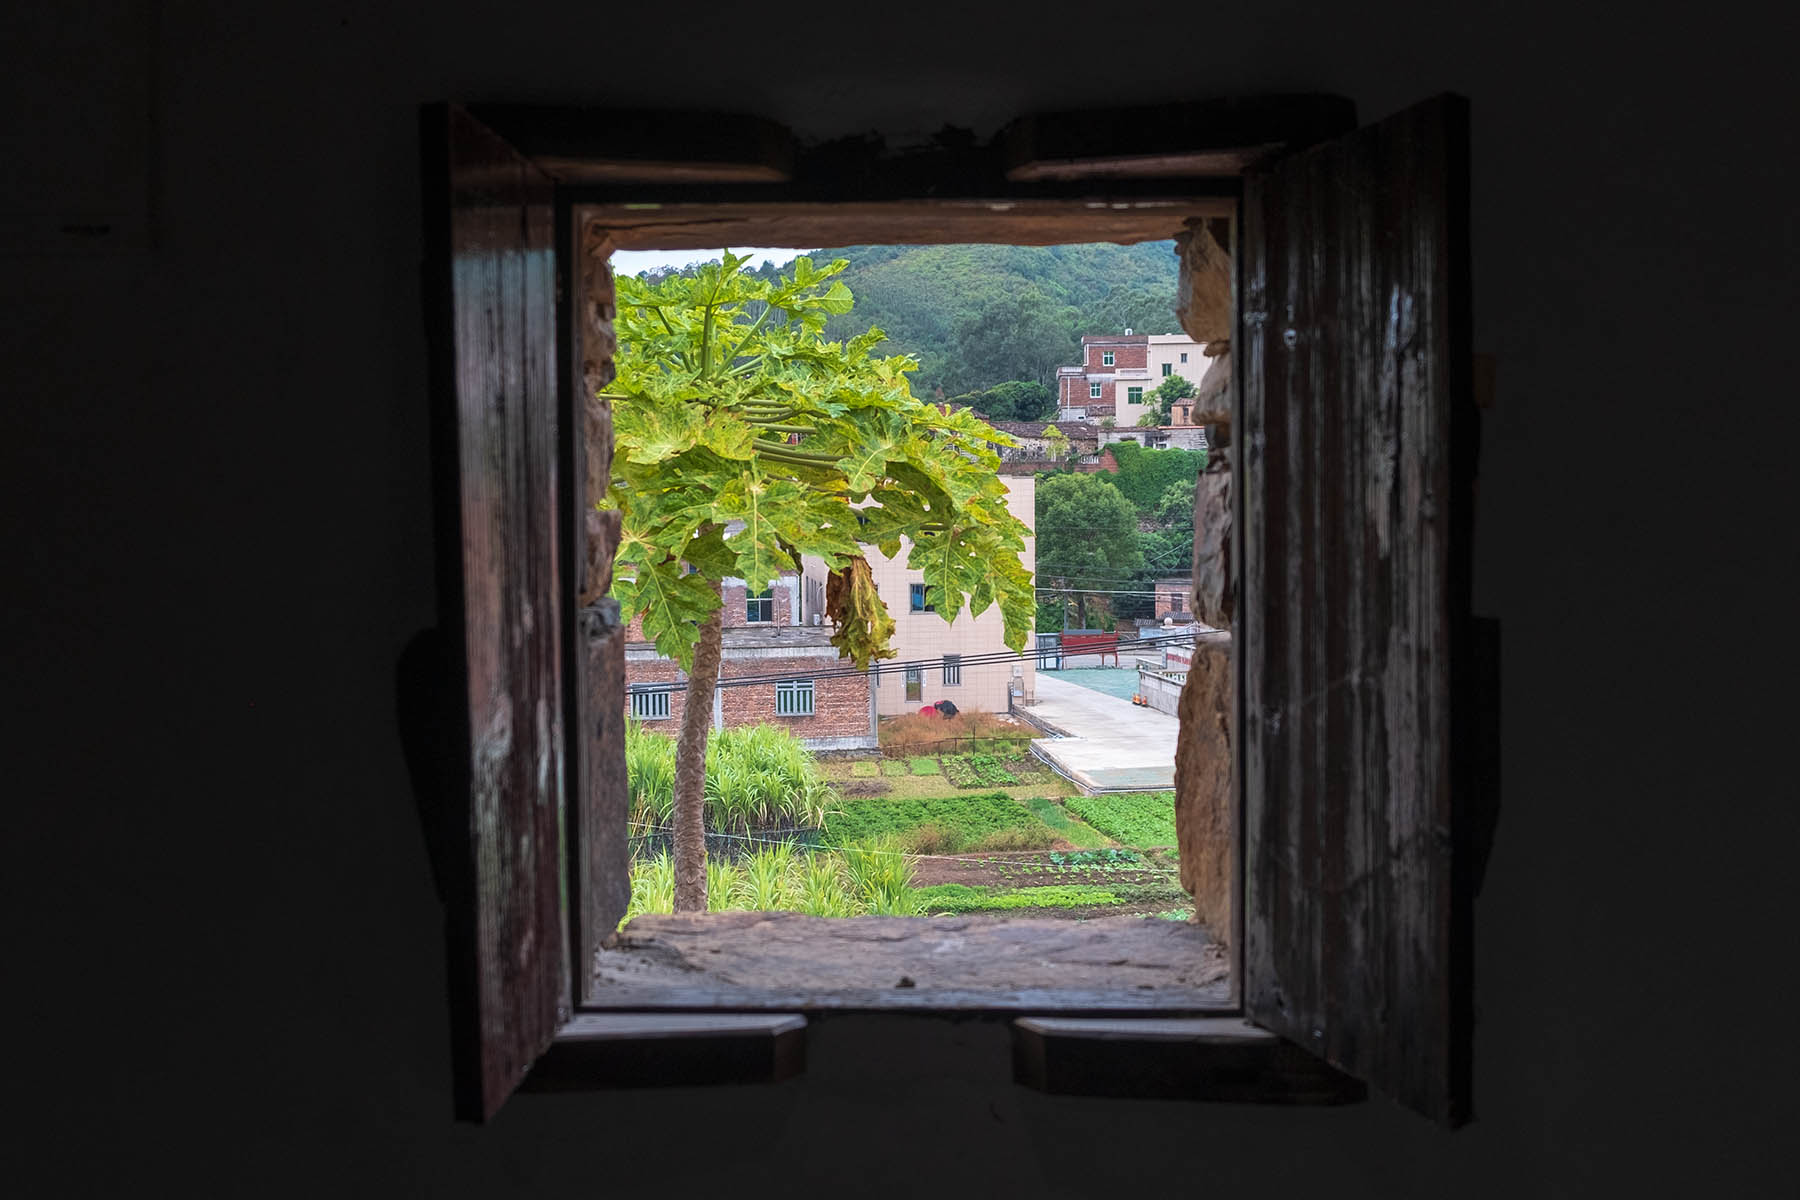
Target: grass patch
x,y
924,766
1070,830
893,766
976,731
1137,819
961,898
940,824
864,769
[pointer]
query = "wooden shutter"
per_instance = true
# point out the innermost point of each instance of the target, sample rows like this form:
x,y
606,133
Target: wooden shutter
x,y
1356,429
491,284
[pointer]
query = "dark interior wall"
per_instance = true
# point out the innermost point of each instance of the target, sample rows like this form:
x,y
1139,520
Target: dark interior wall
x,y
226,961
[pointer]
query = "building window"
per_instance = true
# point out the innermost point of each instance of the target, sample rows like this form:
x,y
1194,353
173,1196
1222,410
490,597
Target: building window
x,y
1093,391
1168,369
794,698
1183,359
650,706
915,683
1134,395
760,608
920,603
952,670
1106,358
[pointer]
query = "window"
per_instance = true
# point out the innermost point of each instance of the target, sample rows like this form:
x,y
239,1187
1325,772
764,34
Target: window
x,y
1093,391
952,670
1169,368
915,683
1183,359
760,608
1106,358
794,698
920,601
1134,395
650,706
1410,972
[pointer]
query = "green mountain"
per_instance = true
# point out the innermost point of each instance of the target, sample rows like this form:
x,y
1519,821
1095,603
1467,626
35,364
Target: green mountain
x,y
980,315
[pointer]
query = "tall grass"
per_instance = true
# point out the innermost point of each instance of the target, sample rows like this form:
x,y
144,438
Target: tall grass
x,y
756,776
869,880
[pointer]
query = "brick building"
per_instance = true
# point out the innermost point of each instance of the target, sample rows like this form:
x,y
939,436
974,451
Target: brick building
x,y
1118,372
780,632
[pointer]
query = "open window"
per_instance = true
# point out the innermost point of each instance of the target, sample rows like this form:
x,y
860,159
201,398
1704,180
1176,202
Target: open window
x,y
1354,687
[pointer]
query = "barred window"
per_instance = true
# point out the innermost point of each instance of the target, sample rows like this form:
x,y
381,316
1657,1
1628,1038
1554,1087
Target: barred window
x,y
794,698
650,706
760,608
952,670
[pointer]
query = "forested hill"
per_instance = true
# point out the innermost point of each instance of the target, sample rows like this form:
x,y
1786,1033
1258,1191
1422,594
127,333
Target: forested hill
x,y
981,315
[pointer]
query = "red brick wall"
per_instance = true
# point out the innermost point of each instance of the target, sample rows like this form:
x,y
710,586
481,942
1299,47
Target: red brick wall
x,y
736,611
840,706
1123,356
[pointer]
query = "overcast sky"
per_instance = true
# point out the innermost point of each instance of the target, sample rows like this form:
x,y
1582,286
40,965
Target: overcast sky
x,y
635,262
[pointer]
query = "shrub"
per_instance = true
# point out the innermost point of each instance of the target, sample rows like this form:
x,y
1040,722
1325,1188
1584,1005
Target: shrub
x,y
880,874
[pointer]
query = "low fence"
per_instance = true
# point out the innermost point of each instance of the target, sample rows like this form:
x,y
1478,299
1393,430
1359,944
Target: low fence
x,y
1017,747
726,847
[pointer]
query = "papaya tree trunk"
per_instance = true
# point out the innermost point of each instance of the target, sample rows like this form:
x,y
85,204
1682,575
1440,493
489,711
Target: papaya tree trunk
x,y
690,768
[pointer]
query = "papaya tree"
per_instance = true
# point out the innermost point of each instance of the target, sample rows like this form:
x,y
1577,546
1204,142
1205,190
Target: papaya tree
x,y
744,440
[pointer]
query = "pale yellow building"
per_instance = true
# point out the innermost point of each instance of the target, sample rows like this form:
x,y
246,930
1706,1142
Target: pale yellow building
x,y
922,636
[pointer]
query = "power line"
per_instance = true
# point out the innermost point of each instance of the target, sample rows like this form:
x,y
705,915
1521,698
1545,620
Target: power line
x,y
890,668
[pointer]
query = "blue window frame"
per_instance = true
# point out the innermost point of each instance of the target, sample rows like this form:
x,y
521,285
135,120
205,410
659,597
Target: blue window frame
x,y
920,601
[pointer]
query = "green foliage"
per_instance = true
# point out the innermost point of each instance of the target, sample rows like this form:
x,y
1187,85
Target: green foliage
x,y
780,879
977,316
756,776
865,769
1067,828
893,767
924,766
1144,475
953,898
1014,400
961,821
1137,819
1166,393
716,372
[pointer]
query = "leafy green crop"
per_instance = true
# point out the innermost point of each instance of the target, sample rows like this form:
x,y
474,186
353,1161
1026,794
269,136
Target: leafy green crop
x,y
958,822
961,898
1137,819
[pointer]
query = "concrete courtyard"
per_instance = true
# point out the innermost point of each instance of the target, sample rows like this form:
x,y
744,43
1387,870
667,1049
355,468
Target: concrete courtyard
x,y
1107,744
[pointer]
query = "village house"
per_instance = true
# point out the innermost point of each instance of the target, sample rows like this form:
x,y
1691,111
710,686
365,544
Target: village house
x,y
922,635
1118,372
783,631
780,631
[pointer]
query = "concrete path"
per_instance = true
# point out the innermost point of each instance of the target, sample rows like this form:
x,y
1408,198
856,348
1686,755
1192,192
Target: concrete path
x,y
1112,745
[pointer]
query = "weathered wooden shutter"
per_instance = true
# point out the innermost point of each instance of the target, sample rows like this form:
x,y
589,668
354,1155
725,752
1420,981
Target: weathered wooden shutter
x,y
490,253
1356,428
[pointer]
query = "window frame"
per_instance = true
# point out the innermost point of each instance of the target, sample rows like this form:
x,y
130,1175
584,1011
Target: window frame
x,y
1095,389
1168,369
952,670
654,698
766,598
1323,120
918,598
788,692
1134,395
1108,358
